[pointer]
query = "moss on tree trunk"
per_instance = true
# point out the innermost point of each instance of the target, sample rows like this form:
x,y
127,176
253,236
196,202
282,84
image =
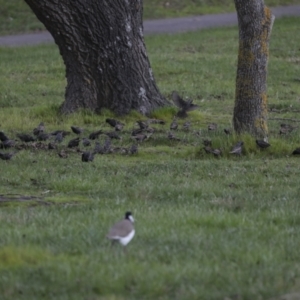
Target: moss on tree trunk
x,y
255,24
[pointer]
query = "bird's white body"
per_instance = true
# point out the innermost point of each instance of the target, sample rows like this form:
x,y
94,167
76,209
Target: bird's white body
x,y
126,239
123,231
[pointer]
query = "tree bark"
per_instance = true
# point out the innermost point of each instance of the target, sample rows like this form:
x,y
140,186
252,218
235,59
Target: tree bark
x,y
102,46
255,22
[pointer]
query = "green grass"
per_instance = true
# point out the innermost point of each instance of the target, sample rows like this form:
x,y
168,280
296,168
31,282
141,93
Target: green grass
x,y
206,228
154,9
16,16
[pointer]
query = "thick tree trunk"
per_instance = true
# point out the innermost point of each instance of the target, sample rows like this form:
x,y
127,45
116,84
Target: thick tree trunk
x,y
102,45
255,24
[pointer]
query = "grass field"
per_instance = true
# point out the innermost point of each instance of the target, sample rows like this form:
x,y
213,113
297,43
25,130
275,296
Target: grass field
x,y
16,16
206,227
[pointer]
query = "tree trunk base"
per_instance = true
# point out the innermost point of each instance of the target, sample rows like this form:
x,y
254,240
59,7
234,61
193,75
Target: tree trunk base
x,y
102,46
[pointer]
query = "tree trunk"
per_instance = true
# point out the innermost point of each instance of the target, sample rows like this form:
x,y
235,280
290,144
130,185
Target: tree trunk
x,y
255,25
102,45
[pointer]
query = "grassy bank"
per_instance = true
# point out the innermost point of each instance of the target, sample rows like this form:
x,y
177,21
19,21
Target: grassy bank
x,y
16,16
207,228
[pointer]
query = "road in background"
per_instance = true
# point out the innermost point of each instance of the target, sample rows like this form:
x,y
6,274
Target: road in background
x,y
170,26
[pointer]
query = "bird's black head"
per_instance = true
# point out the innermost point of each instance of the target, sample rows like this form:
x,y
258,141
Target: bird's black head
x,y
128,216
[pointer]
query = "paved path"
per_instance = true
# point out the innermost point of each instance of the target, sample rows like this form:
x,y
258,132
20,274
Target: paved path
x,y
158,26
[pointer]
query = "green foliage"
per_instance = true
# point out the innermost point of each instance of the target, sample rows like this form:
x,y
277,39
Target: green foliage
x,y
13,257
16,16
206,227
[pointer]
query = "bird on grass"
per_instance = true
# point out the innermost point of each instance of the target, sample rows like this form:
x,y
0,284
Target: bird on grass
x,y
62,154
185,106
142,124
150,130
7,144
39,129
3,136
73,143
86,142
217,152
59,137
51,146
262,144
94,135
107,146
156,121
296,151
174,124
77,130
171,136
207,142
227,131
119,127
212,126
7,156
87,156
115,123
24,137
133,149
113,135
42,136
122,150
63,132
237,148
286,128
141,137
98,149
123,231
186,125
111,122
136,131
209,150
